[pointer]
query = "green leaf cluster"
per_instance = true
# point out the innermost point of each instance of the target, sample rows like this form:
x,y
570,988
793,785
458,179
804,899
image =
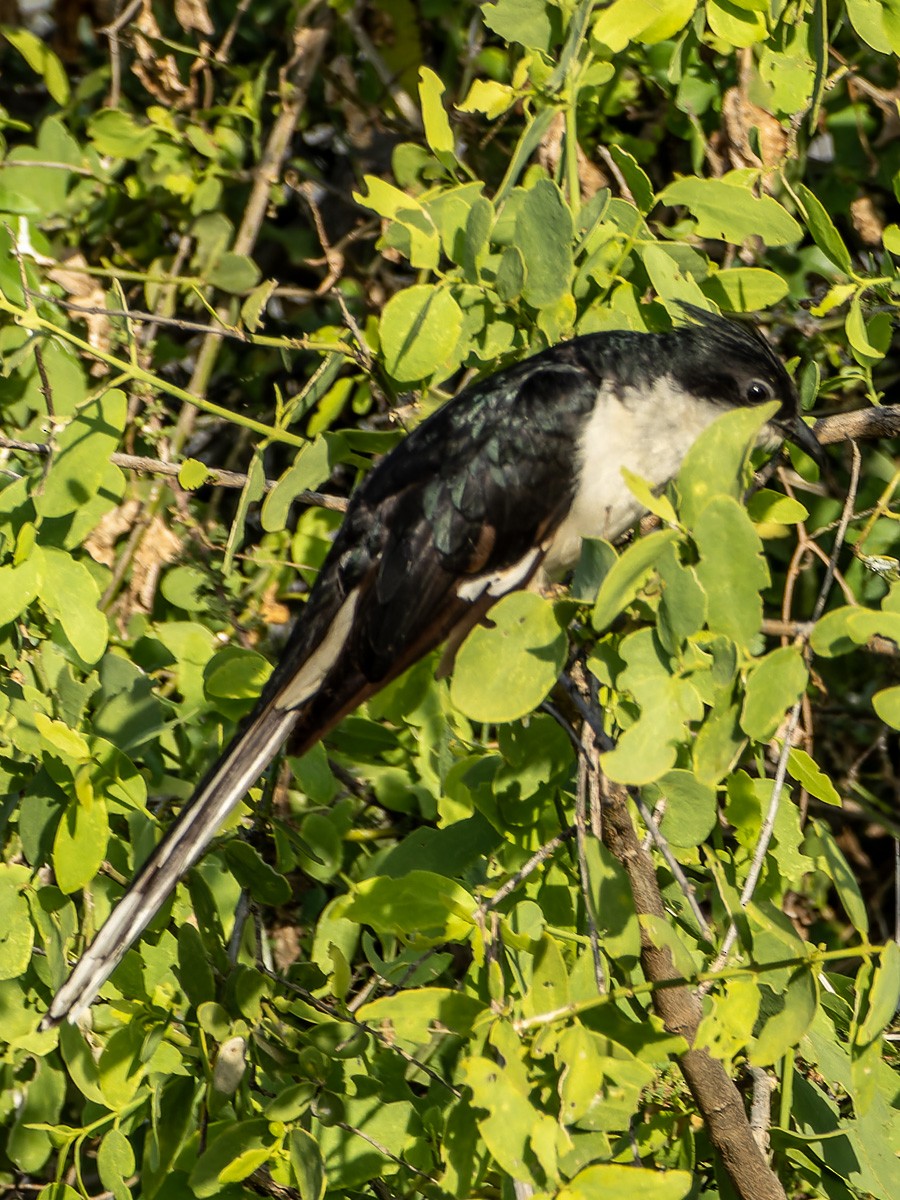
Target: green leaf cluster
x,y
441,990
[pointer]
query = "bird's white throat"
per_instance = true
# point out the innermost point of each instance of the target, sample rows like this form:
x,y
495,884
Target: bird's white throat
x,y
647,430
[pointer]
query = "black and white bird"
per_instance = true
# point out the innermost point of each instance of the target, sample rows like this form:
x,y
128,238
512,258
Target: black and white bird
x,y
502,482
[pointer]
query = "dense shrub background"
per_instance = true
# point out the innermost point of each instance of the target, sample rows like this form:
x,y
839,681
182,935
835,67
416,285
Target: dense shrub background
x,y
242,248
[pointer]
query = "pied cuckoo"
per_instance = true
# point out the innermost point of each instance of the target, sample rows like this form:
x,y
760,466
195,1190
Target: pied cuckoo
x,y
500,483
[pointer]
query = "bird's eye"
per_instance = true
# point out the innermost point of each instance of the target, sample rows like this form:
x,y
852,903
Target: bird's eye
x,y
758,392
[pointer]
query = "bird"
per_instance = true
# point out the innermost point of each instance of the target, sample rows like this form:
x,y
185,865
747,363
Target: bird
x,y
499,484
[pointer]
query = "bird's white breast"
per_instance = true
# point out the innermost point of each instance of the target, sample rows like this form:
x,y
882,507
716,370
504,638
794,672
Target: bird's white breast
x,y
647,430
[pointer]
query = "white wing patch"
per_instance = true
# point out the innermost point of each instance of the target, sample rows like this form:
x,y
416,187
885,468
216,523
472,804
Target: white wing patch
x,y
498,583
312,674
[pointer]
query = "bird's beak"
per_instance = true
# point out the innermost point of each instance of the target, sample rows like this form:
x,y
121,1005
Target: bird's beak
x,y
798,432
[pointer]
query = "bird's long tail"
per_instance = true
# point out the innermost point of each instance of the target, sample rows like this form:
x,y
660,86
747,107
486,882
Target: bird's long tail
x,y
240,766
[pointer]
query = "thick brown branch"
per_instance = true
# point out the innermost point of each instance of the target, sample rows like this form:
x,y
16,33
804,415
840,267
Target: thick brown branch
x,y
717,1097
861,423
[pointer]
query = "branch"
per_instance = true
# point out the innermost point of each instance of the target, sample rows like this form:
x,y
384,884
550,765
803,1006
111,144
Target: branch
x,y
154,466
861,423
718,1100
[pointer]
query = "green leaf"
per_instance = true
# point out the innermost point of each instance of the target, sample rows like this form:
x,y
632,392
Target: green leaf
x,y
527,22
735,24
504,670
61,739
594,564
192,474
549,987
227,1150
412,230
637,179
644,21
185,587
234,673
307,1164
544,232
732,581
731,212
488,97
672,281
79,846
843,629
618,1181
682,608
887,706
419,904
117,134
479,223
823,230
745,289
38,1103
784,1029
438,133
716,463
767,507
420,328
613,902
728,1025
19,586
581,1069
41,59
860,335
804,770
691,811
513,1126
659,505
69,592
831,860
772,687
876,22
628,575
234,273
891,239
310,469
418,1014
322,855
254,306
81,462
879,1005
510,274
194,969
115,1162
16,927
262,881
647,749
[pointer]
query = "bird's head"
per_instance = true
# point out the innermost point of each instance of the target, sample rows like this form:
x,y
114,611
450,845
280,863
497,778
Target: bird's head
x,y
733,364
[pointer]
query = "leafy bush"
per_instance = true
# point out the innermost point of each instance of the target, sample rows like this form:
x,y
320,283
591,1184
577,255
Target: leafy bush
x,y
252,244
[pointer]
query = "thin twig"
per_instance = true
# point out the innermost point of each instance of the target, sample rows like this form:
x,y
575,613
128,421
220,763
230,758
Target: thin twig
x,y
309,41
822,599
765,836
48,165
141,464
405,106
540,856
111,33
339,1014
588,783
606,743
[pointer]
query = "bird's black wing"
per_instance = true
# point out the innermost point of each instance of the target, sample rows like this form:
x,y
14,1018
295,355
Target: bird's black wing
x,y
455,516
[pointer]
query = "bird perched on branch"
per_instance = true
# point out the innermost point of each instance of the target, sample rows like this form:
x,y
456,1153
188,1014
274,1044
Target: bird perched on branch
x,y
503,481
